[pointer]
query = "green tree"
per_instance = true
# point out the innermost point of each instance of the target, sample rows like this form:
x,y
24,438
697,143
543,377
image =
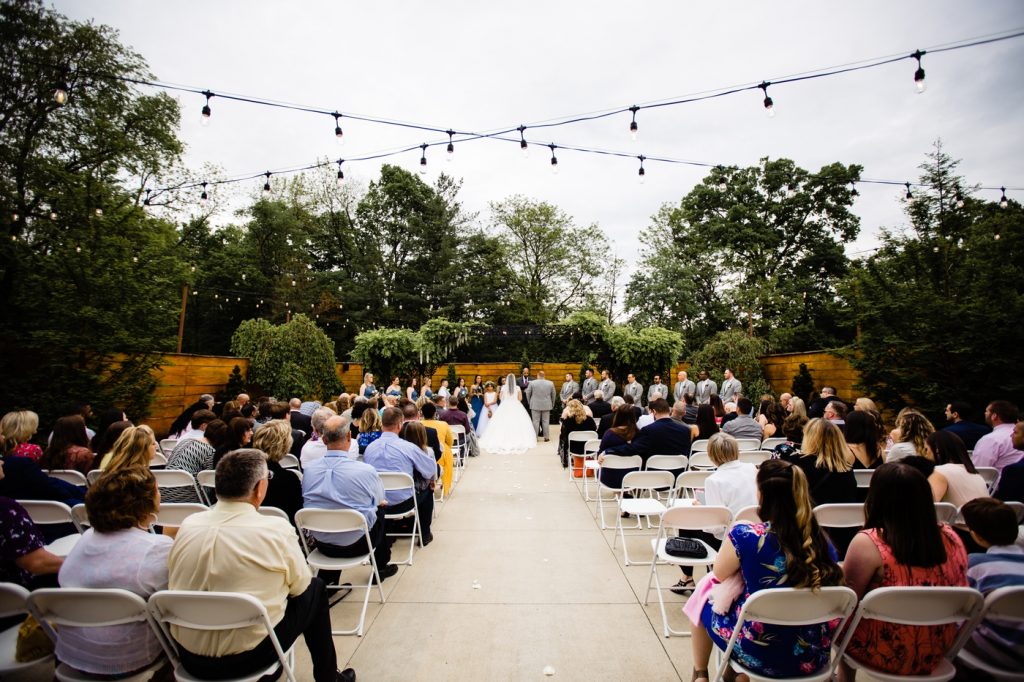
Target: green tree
x,y
939,305
89,284
388,352
236,384
644,352
554,262
759,247
803,383
295,359
739,352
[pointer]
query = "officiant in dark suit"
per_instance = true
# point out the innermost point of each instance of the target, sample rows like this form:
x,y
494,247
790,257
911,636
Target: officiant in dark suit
x,y
523,382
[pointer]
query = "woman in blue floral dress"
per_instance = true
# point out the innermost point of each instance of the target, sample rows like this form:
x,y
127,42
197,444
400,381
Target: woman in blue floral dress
x,y
788,549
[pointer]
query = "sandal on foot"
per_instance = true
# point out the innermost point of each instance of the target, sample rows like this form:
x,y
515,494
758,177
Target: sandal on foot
x,y
684,587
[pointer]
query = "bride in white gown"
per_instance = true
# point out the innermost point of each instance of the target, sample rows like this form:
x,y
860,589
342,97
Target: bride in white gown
x,y
508,429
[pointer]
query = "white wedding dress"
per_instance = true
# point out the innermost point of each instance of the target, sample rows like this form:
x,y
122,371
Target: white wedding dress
x,y
509,430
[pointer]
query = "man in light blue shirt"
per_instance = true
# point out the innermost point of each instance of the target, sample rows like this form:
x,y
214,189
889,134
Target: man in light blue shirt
x,y
337,482
391,452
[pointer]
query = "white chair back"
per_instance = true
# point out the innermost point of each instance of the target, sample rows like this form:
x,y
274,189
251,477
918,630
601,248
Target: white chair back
x,y
747,514
749,443
701,517
80,517
328,521
158,460
167,446
289,461
84,607
13,602
699,446
622,462
47,512
701,460
13,598
755,457
276,512
173,513
946,512
1017,507
849,515
991,475
72,476
863,477
1004,608
93,476
206,480
688,482
591,447
772,443
677,463
397,480
176,478
580,437
647,480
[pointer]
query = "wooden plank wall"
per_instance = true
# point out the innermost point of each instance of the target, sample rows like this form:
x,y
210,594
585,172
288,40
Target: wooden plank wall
x,y
185,377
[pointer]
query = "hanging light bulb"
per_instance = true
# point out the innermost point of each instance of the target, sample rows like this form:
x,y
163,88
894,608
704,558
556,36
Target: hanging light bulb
x,y
61,89
451,146
266,185
205,119
554,159
634,129
642,174
919,74
204,197
909,196
145,201
423,159
790,191
15,217
722,185
853,189
523,147
1004,202
98,210
341,173
769,104
53,215
959,199
339,135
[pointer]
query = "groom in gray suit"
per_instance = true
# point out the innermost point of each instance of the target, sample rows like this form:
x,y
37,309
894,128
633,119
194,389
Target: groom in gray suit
x,y
540,393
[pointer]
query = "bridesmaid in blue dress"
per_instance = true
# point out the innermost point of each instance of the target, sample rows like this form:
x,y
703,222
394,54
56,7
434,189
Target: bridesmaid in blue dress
x,y
476,399
412,392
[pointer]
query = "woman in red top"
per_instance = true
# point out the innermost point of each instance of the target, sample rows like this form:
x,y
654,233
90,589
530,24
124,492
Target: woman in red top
x,y
18,427
69,447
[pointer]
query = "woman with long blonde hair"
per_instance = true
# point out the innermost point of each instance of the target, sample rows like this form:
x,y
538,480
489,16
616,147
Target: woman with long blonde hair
x,y
284,491
910,435
134,448
786,549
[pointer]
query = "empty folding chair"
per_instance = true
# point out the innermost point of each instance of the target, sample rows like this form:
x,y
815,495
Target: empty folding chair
x,y
13,602
396,480
591,450
72,476
708,519
748,443
173,513
790,607
460,447
339,521
609,478
643,486
701,460
215,611
674,464
991,475
177,485
1004,610
699,445
575,445
83,608
924,606
772,443
689,486
755,457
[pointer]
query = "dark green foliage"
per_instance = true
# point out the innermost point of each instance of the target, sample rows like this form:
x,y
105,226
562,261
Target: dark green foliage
x,y
740,353
236,384
292,360
524,362
453,377
803,383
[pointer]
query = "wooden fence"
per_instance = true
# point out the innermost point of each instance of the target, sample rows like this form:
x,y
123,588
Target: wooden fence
x,y
185,377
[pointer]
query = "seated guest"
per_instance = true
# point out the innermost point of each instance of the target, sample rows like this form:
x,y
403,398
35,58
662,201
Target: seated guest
x,y
679,411
798,406
912,429
954,479
134,448
994,527
958,414
195,455
599,407
336,481
743,425
690,402
234,548
299,419
835,412
665,436
17,428
444,437
630,403
315,448
705,426
238,436
391,453
862,440
787,549
369,429
24,480
770,417
109,416
902,545
284,490
576,420
107,441
69,446
200,418
410,414
183,422
605,422
24,558
715,401
997,449
1011,482
733,484
623,429
455,416
117,551
730,413
281,412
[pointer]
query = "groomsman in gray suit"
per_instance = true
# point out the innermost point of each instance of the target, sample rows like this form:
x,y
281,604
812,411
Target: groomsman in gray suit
x,y
607,386
569,389
589,386
657,390
731,388
683,387
705,388
634,388
541,395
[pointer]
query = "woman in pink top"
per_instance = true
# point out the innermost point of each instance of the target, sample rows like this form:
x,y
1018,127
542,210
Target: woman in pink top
x,y
955,479
903,545
69,447
18,427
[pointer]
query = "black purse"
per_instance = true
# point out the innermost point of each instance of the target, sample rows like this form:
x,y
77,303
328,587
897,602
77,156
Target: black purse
x,y
686,548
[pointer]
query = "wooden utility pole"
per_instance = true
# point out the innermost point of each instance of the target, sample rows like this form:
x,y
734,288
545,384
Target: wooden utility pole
x,y
181,318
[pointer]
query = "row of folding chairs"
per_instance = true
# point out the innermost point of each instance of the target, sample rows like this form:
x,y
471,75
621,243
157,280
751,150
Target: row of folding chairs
x,y
990,474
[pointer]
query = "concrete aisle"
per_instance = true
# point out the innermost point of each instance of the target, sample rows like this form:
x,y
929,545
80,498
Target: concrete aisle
x,y
551,592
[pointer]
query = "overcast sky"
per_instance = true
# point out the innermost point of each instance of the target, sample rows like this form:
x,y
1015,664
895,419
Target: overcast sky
x,y
481,66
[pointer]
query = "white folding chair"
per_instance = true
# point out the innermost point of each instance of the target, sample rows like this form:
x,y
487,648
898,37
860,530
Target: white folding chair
x,y
755,457
863,477
642,506
790,607
614,463
290,461
701,461
991,475
82,607
578,437
53,513
698,446
13,602
93,476
705,518
772,443
158,460
848,515
1018,507
215,611
675,464
80,517
747,515
688,486
176,479
591,450
917,606
173,513
946,512
275,512
167,446
72,476
339,521
1004,608
746,444
396,480
206,480
460,445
